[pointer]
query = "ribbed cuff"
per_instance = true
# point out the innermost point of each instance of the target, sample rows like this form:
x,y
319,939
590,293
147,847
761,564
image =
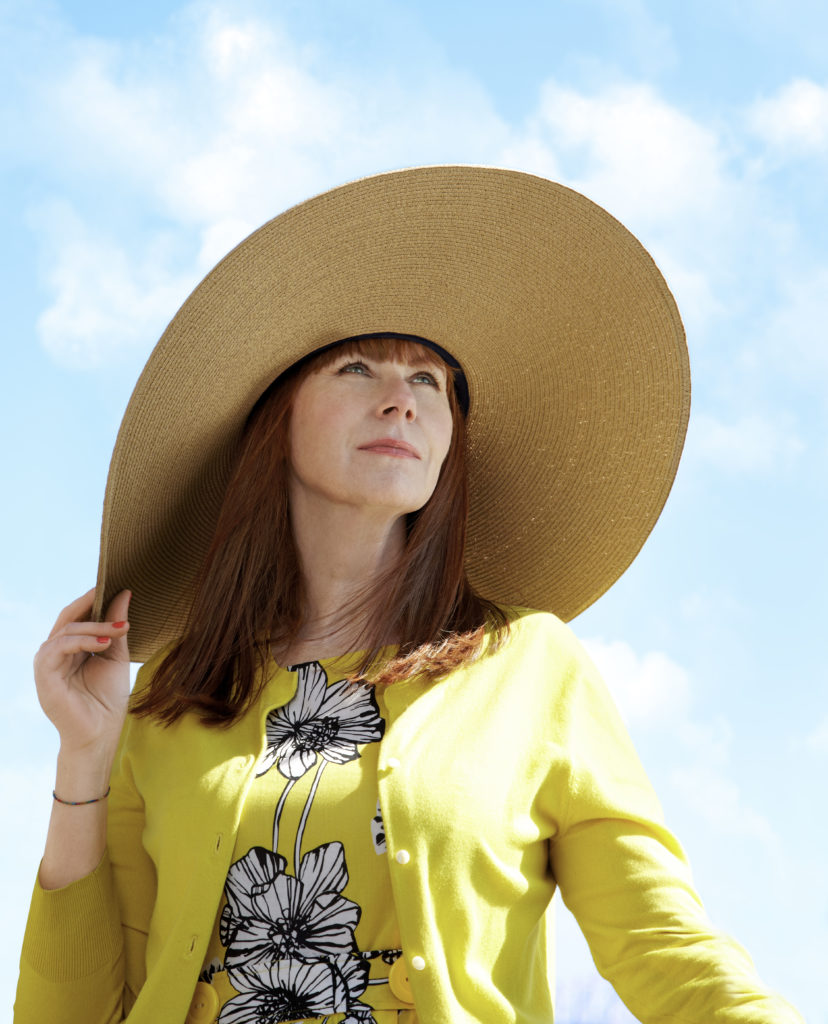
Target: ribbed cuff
x,y
74,931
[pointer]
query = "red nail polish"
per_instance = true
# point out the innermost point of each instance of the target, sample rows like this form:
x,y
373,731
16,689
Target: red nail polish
x,y
119,625
103,639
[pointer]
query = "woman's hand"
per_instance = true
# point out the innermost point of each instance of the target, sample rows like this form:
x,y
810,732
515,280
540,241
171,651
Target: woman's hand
x,y
82,677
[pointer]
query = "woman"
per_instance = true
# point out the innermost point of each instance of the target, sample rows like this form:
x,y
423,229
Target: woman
x,y
356,766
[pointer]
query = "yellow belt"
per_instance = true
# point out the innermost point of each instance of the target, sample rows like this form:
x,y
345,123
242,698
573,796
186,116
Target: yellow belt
x,y
388,989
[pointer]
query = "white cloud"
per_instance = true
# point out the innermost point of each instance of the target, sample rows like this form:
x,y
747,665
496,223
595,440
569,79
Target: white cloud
x,y
105,296
647,36
707,787
817,740
796,332
217,128
668,177
651,689
23,628
267,121
528,151
654,694
219,238
629,149
795,119
750,444
225,121
692,288
711,609
719,801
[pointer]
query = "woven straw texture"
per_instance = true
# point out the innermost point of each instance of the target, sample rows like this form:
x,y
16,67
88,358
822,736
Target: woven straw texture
x,y
569,337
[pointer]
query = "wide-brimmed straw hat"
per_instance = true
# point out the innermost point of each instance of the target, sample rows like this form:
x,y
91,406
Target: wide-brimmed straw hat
x,y
569,339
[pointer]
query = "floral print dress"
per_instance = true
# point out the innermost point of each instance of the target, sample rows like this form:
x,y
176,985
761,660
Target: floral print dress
x,y
306,929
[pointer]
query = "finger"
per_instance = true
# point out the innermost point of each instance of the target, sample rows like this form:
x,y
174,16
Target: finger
x,y
119,607
80,608
118,649
53,655
116,615
110,629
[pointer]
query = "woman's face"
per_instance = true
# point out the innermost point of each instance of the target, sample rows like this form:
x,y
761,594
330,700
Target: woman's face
x,y
370,433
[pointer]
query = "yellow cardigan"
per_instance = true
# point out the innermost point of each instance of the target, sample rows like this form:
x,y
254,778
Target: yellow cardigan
x,y
505,779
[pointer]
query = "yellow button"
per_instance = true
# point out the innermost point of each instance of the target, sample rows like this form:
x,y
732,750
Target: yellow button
x,y
222,987
205,1005
398,981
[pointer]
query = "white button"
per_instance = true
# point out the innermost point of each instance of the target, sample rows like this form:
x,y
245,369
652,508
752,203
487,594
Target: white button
x,y
403,856
418,963
393,762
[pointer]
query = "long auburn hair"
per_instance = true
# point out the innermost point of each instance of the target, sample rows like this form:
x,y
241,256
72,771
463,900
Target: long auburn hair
x,y
249,596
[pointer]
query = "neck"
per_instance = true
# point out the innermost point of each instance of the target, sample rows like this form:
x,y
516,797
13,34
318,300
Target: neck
x,y
342,553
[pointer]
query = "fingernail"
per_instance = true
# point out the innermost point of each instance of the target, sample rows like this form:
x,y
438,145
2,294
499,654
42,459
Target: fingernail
x,y
118,625
103,639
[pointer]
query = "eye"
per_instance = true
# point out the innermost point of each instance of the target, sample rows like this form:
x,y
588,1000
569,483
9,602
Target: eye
x,y
424,377
356,367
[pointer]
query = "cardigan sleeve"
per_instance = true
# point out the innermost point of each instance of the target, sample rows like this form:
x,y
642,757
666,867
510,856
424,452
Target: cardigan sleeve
x,y
83,956
627,882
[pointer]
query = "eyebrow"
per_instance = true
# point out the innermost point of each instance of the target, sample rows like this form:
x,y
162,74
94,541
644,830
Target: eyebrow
x,y
445,360
421,363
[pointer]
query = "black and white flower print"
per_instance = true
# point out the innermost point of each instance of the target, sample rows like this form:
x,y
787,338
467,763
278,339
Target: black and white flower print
x,y
211,970
247,879
271,916
290,941
320,720
378,832
290,950
291,990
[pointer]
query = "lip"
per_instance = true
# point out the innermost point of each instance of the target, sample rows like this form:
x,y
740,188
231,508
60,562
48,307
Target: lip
x,y
391,446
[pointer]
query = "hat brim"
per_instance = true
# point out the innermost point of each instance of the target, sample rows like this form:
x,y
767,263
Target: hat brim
x,y
571,343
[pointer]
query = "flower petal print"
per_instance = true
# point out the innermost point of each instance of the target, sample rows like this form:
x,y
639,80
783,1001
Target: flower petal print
x,y
378,832
248,878
355,975
304,918
211,970
320,720
290,990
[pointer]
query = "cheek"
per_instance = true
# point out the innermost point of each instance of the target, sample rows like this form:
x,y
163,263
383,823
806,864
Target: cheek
x,y
444,435
306,431
297,435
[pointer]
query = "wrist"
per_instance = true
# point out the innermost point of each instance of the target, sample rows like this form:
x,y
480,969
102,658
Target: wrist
x,y
80,803
82,776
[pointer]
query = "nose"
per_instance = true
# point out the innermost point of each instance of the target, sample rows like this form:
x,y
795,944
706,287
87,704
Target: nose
x,y
398,401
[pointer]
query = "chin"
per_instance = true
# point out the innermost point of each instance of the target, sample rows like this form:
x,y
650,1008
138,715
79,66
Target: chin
x,y
396,506
395,496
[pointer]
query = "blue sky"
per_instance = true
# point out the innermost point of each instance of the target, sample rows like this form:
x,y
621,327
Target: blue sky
x,y
138,143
